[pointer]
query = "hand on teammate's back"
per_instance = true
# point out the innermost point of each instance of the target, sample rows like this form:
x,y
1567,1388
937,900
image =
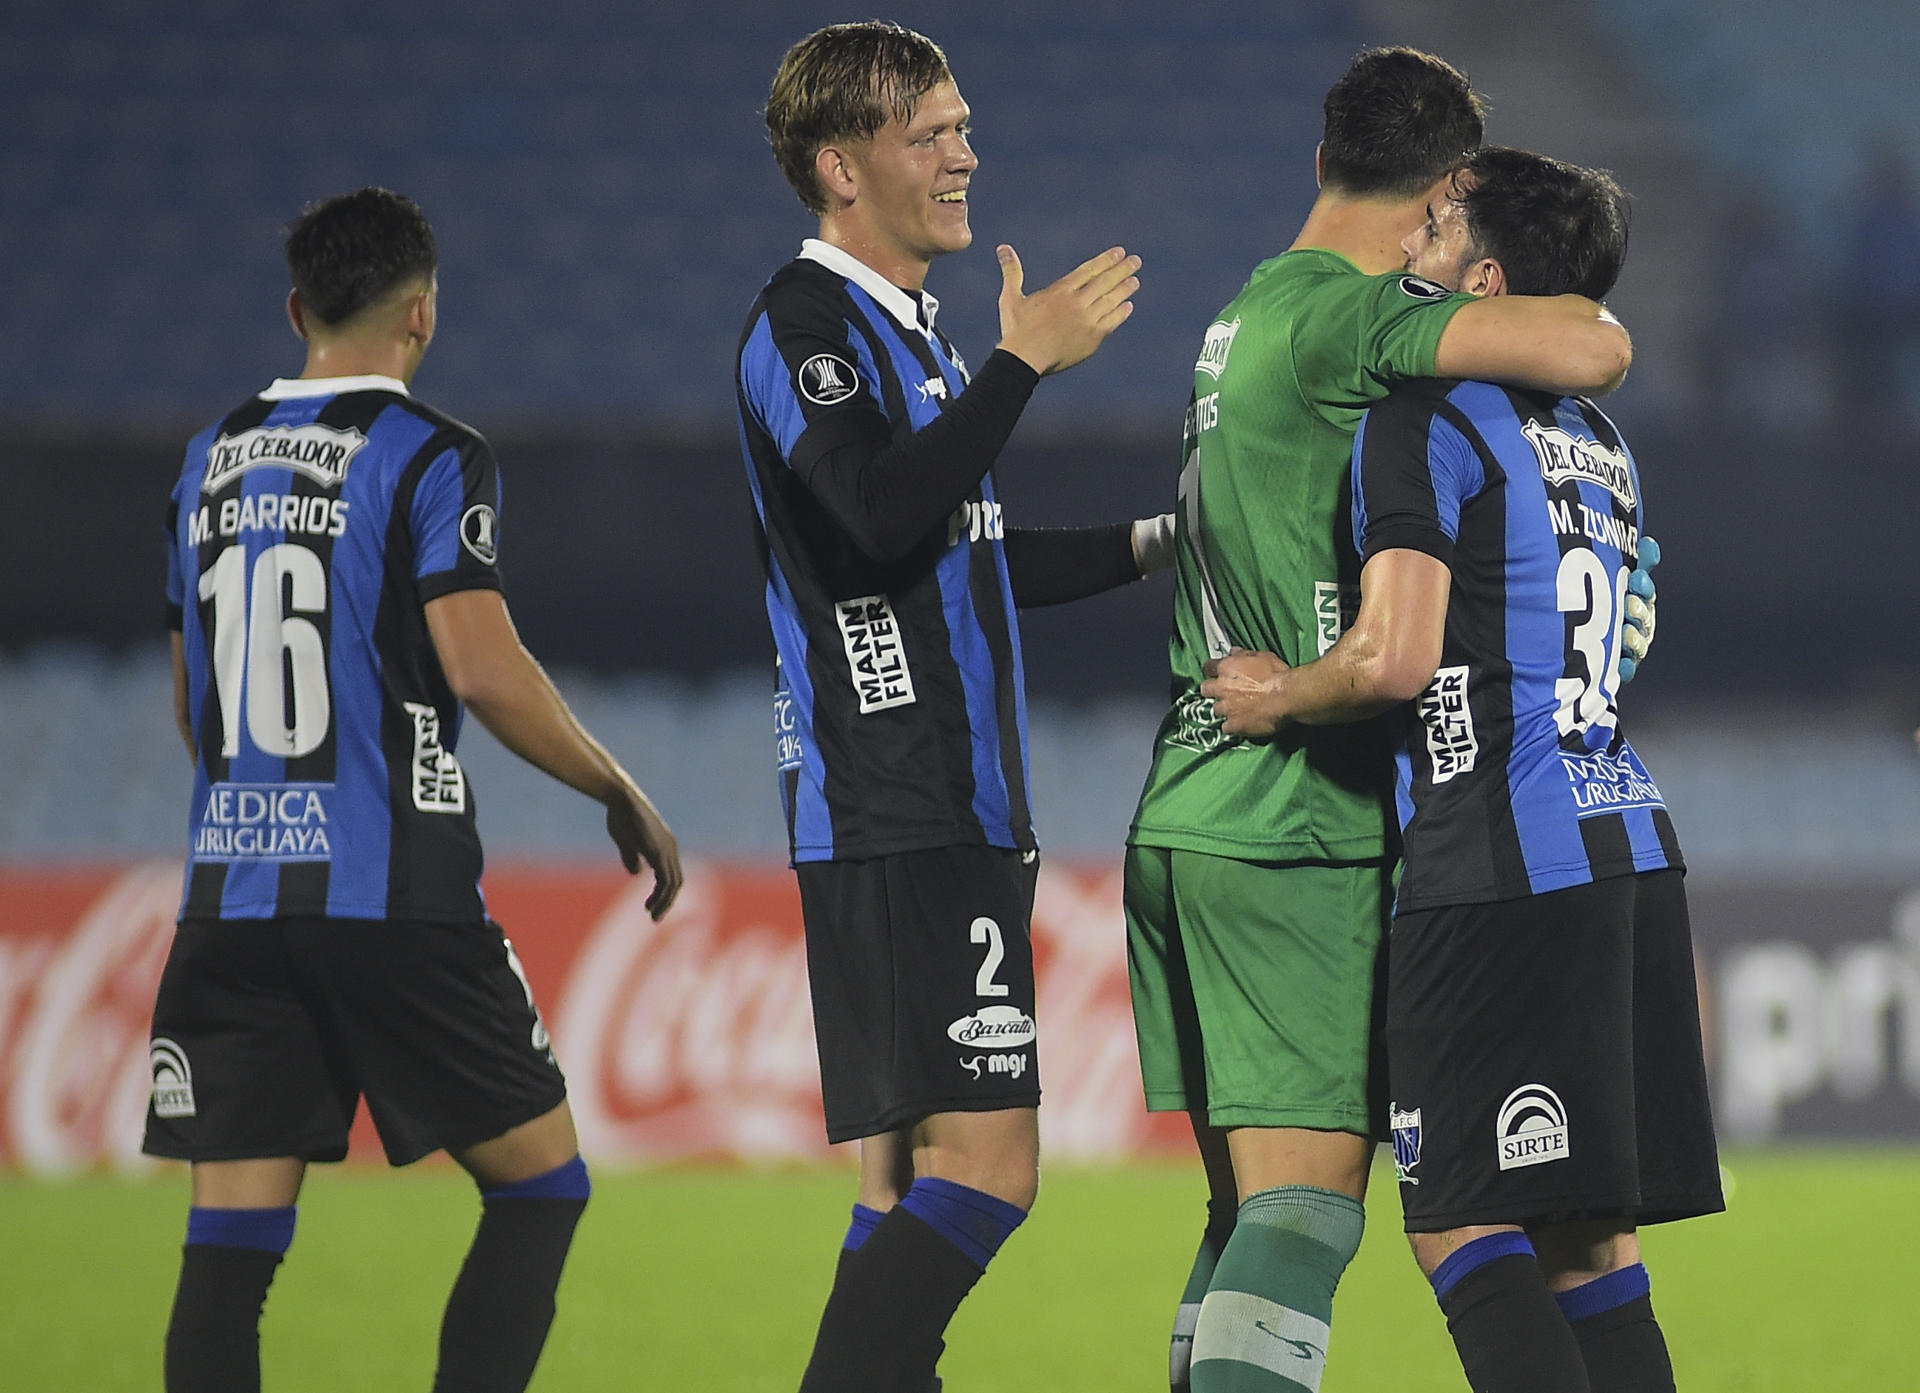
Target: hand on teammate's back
x,y
1052,329
643,835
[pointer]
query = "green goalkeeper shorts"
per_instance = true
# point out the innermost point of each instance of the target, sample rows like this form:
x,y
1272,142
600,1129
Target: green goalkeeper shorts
x,y
1259,988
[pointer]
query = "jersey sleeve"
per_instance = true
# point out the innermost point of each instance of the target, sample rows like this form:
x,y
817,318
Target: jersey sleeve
x,y
1413,470
808,376
455,521
1362,334
176,581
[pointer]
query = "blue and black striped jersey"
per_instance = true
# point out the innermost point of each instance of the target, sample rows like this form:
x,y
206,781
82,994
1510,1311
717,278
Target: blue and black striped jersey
x,y
899,711
309,528
1515,777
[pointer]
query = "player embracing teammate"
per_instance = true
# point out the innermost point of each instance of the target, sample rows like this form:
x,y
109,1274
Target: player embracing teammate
x,y
1543,1038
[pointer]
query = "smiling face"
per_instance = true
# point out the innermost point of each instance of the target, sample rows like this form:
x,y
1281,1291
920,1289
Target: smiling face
x,y
900,198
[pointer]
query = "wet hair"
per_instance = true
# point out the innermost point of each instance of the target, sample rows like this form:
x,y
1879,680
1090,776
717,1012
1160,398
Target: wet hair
x,y
1555,228
843,83
1397,120
353,251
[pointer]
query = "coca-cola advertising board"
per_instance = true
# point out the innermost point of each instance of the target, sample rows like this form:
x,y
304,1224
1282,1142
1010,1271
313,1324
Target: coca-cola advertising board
x,y
692,1038
684,1039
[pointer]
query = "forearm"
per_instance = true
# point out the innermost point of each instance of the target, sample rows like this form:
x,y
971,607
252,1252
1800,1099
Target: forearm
x,y
1565,344
890,496
517,702
1053,565
1344,686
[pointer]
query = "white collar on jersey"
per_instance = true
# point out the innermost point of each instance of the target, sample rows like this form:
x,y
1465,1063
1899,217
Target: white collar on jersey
x,y
284,388
901,304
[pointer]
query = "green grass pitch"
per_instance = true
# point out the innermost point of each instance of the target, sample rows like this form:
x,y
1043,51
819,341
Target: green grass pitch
x,y
711,1280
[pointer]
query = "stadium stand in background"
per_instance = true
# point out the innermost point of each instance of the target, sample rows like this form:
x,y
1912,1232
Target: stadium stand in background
x,y
599,180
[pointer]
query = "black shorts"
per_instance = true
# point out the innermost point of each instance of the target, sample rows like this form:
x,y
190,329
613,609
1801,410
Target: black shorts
x,y
267,1032
1545,1061
921,969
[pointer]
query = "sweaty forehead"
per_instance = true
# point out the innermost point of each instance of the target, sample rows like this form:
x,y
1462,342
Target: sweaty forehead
x,y
940,105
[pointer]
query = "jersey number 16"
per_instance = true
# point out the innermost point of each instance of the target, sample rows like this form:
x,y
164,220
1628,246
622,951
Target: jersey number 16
x,y
264,653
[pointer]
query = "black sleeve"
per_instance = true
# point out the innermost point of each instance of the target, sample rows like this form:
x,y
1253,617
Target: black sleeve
x,y
1051,565
889,495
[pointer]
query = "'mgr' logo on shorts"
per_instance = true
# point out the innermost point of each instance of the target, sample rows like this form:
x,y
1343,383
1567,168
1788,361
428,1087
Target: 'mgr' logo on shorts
x,y
172,1080
1532,1129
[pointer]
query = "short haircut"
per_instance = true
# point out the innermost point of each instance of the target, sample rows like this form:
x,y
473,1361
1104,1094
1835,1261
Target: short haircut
x,y
843,83
1555,228
354,250
1397,121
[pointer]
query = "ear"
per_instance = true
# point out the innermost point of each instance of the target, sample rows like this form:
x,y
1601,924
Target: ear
x,y
422,313
836,169
1485,277
1320,164
296,313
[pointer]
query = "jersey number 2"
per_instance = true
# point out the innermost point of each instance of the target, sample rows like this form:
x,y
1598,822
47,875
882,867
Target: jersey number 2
x,y
265,654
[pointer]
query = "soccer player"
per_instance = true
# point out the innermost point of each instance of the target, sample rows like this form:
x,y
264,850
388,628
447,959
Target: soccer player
x,y
892,582
334,592
1258,876
1543,1038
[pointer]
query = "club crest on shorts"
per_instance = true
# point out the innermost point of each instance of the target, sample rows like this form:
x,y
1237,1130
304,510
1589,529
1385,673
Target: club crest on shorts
x,y
1406,1143
1532,1128
172,1080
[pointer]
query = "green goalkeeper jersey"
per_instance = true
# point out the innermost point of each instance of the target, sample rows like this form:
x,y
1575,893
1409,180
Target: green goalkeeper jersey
x,y
1266,556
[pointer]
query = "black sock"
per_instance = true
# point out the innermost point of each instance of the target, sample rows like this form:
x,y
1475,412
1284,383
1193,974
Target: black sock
x,y
1624,1349
890,1304
213,1337
502,1305
1511,1336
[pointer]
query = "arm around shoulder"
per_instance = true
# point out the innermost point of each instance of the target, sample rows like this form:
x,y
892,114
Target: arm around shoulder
x,y
1566,344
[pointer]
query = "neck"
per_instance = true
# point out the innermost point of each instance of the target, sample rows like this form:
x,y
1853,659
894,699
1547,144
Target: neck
x,y
350,357
1366,231
903,269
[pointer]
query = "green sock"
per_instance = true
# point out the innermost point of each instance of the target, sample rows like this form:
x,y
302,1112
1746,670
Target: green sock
x,y
1264,1323
1220,1220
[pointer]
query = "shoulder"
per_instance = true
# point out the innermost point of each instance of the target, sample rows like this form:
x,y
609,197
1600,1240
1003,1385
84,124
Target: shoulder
x,y
804,288
449,432
1415,401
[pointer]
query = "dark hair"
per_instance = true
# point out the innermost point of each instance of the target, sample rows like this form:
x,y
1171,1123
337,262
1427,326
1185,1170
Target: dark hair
x,y
843,83
1397,120
1555,228
352,251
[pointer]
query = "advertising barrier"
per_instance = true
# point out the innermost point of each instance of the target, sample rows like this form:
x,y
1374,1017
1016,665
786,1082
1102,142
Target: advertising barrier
x,y
692,1038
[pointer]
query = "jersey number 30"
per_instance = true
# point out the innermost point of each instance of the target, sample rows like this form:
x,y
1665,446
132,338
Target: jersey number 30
x,y
264,650
1586,694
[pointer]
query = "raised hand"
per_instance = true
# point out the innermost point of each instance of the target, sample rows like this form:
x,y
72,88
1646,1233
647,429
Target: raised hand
x,y
1055,328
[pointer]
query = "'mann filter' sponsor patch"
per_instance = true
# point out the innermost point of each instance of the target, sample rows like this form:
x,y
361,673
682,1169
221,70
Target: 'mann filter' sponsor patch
x,y
1448,719
1335,607
322,453
876,655
439,784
